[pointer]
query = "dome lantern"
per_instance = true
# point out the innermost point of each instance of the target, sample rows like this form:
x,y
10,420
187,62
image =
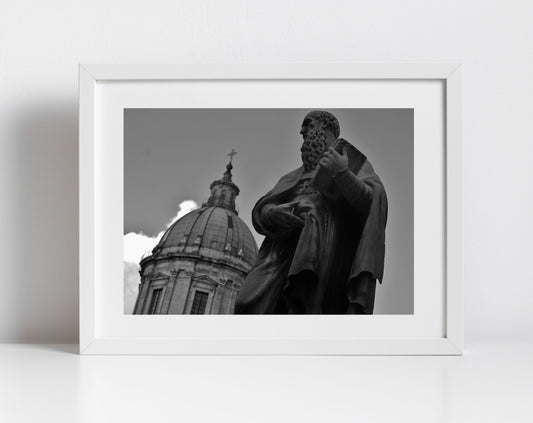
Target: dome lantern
x,y
224,191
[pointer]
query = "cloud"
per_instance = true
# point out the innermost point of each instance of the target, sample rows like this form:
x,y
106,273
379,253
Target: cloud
x,y
138,244
132,280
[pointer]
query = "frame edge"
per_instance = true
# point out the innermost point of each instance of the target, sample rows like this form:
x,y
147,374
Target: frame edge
x,y
271,71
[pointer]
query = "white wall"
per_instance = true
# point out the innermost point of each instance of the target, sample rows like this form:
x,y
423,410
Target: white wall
x,y
41,44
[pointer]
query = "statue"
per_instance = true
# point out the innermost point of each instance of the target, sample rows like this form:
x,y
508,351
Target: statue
x,y
324,227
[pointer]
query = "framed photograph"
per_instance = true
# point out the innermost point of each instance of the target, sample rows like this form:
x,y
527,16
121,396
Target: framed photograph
x,y
270,209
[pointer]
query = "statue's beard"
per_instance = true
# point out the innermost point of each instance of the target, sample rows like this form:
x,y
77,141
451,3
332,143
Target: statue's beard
x,y
313,147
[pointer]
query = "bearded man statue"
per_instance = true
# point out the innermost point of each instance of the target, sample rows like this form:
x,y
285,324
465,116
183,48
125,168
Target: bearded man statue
x,y
324,227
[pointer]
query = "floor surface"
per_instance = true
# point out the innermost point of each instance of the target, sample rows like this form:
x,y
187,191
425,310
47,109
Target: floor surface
x,y
42,383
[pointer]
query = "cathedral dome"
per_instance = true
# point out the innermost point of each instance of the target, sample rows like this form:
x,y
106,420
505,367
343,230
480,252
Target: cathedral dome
x,y
200,262
211,231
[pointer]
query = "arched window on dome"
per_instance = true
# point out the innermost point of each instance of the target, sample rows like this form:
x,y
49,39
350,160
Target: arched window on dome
x,y
154,300
183,240
198,240
199,302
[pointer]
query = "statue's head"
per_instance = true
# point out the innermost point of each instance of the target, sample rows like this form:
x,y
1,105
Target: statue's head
x,y
320,129
323,120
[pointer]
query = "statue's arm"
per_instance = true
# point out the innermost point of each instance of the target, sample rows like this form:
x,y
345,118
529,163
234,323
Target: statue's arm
x,y
355,191
275,220
264,216
261,216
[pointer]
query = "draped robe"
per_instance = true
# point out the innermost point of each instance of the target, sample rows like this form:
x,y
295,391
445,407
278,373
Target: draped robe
x,y
333,259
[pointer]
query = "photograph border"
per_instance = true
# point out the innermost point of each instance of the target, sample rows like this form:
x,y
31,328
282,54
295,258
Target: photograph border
x,y
91,343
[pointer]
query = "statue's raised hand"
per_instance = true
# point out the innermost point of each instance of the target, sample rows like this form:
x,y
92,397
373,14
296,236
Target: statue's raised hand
x,y
334,161
282,216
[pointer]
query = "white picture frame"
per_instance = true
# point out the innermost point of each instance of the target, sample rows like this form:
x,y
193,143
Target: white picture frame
x,y
105,89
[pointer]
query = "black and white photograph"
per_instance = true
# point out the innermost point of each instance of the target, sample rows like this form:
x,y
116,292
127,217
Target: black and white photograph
x,y
268,211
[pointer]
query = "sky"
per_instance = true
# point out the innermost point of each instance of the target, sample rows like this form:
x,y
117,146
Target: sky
x,y
171,156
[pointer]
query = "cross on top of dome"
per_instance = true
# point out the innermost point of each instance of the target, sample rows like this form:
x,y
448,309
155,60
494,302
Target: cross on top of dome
x,y
229,166
231,154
